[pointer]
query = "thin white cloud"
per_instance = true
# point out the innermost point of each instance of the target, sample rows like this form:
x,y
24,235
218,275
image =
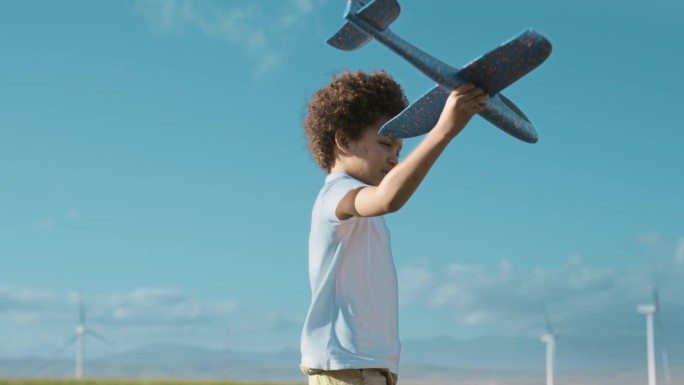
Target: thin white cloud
x,y
509,299
679,253
45,223
163,305
476,317
660,249
13,298
654,246
18,317
257,31
39,322
650,239
52,220
280,324
416,280
72,214
34,322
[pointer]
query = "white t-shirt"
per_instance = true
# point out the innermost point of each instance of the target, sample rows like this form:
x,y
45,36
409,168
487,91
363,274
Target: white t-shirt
x,y
353,318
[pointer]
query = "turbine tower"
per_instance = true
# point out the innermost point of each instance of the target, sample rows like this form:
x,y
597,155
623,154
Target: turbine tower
x,y
650,309
550,352
550,340
80,334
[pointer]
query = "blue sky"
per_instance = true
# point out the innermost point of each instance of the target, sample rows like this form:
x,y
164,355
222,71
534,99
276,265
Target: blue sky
x,y
152,155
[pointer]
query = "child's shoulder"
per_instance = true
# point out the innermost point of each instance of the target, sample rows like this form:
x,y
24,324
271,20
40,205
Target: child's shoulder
x,y
335,178
337,184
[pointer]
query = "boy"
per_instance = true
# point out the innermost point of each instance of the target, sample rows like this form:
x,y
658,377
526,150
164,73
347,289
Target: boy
x,y
350,333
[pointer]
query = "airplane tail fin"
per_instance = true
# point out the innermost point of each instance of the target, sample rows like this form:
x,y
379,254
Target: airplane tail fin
x,y
378,14
349,38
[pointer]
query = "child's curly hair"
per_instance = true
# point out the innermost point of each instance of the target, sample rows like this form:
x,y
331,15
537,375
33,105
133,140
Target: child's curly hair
x,y
351,102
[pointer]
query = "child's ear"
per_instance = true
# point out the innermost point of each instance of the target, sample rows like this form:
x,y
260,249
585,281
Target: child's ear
x,y
342,142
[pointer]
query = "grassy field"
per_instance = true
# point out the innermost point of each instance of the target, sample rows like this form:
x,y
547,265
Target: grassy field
x,y
122,381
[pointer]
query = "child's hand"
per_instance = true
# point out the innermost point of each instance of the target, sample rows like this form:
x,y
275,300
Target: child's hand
x,y
464,102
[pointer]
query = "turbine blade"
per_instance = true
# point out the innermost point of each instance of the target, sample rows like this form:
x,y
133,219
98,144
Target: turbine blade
x,y
659,334
547,321
99,337
81,309
40,366
66,345
666,366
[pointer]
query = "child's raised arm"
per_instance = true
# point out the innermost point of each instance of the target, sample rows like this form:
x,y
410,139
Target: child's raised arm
x,y
401,182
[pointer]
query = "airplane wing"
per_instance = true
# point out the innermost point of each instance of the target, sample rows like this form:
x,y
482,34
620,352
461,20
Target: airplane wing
x,y
421,116
502,113
504,65
418,118
493,72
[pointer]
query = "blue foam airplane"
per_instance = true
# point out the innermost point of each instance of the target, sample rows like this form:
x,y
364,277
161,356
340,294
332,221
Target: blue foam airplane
x,y
492,72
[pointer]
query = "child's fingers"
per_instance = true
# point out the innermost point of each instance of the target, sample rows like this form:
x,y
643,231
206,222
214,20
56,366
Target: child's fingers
x,y
474,98
469,98
468,92
475,94
480,99
477,104
464,89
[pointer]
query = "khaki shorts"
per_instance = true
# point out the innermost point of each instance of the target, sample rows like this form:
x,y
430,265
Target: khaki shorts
x,y
350,377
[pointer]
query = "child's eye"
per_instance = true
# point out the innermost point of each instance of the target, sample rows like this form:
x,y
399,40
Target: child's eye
x,y
386,144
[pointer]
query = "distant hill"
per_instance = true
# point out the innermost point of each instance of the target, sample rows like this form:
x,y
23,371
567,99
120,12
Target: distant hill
x,y
528,355
169,361
436,360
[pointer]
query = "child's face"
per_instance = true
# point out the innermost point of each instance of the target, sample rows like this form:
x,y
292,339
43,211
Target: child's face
x,y
373,155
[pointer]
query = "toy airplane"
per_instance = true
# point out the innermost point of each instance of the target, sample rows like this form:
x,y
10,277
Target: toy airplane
x,y
492,72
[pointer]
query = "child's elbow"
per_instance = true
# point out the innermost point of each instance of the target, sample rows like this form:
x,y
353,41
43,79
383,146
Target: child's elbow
x,y
394,205
391,200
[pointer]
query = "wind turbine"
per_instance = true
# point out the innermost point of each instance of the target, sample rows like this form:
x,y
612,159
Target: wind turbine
x,y
79,337
650,310
549,338
654,325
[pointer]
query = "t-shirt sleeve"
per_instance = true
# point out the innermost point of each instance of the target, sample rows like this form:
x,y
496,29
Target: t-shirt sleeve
x,y
338,189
